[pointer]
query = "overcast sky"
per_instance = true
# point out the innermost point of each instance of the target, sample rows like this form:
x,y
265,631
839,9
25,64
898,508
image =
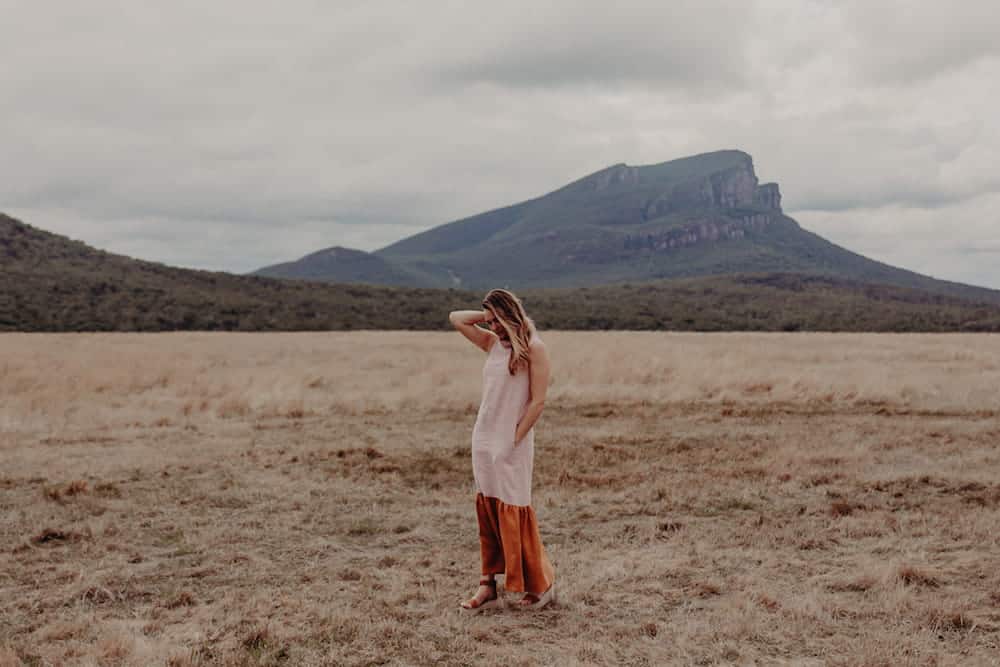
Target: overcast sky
x,y
230,135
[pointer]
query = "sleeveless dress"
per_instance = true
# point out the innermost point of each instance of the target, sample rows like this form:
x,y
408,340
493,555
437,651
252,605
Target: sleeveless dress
x,y
510,542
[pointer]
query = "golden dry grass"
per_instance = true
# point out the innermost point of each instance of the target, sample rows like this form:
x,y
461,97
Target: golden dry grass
x,y
305,499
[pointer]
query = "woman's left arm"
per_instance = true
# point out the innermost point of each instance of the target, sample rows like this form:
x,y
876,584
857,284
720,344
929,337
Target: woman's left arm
x,y
539,370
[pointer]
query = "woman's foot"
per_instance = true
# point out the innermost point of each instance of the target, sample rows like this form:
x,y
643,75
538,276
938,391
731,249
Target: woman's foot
x,y
485,598
533,601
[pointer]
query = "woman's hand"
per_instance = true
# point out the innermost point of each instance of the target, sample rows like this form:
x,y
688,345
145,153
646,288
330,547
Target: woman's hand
x,y
465,321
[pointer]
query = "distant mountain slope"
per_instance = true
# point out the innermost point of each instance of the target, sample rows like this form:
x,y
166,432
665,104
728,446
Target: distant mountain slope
x,y
697,216
51,283
340,264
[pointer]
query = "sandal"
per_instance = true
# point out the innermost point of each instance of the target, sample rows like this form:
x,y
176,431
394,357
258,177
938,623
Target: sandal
x,y
539,600
474,606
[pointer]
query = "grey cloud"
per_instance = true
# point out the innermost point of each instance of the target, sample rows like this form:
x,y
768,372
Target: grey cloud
x,y
687,46
404,210
876,197
991,247
273,131
905,42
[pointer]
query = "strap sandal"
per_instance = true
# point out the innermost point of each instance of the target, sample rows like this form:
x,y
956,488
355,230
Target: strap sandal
x,y
474,606
539,601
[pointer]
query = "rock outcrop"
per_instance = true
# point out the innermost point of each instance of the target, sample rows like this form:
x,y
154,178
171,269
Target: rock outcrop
x,y
698,232
731,188
768,196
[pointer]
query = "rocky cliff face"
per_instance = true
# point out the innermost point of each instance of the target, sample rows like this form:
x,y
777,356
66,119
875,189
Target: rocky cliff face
x,y
768,196
708,230
735,187
731,188
705,231
728,203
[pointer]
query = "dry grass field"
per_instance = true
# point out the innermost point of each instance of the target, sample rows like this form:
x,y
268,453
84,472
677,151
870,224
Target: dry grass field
x,y
306,499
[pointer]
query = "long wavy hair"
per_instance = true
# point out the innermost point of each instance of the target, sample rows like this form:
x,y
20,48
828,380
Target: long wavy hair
x,y
509,311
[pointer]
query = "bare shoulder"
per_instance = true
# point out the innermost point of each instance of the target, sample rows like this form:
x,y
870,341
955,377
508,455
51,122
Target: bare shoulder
x,y
491,342
536,346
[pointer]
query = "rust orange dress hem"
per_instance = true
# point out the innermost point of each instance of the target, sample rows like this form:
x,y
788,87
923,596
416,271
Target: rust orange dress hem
x,y
510,544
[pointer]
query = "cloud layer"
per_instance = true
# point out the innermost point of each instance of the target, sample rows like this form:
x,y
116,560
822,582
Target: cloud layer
x,y
228,136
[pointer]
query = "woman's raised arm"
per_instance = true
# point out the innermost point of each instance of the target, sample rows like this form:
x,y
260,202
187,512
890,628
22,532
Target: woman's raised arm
x,y
465,322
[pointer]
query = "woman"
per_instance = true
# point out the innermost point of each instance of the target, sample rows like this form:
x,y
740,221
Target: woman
x,y
515,379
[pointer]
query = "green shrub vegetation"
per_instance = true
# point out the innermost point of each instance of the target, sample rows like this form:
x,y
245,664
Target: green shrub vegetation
x,y
51,283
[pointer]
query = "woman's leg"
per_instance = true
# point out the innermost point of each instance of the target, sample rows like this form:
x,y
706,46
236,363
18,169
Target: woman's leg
x,y
491,553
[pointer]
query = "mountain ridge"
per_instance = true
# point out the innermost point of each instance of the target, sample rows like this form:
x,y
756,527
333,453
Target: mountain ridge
x,y
701,215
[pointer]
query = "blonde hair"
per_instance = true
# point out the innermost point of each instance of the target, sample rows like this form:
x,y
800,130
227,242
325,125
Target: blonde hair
x,y
509,311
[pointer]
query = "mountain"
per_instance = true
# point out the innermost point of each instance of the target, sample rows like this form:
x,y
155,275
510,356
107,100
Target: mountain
x,y
51,283
342,265
696,216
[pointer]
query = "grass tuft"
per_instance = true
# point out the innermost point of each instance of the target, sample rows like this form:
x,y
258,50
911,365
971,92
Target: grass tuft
x,y
912,576
182,599
51,535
